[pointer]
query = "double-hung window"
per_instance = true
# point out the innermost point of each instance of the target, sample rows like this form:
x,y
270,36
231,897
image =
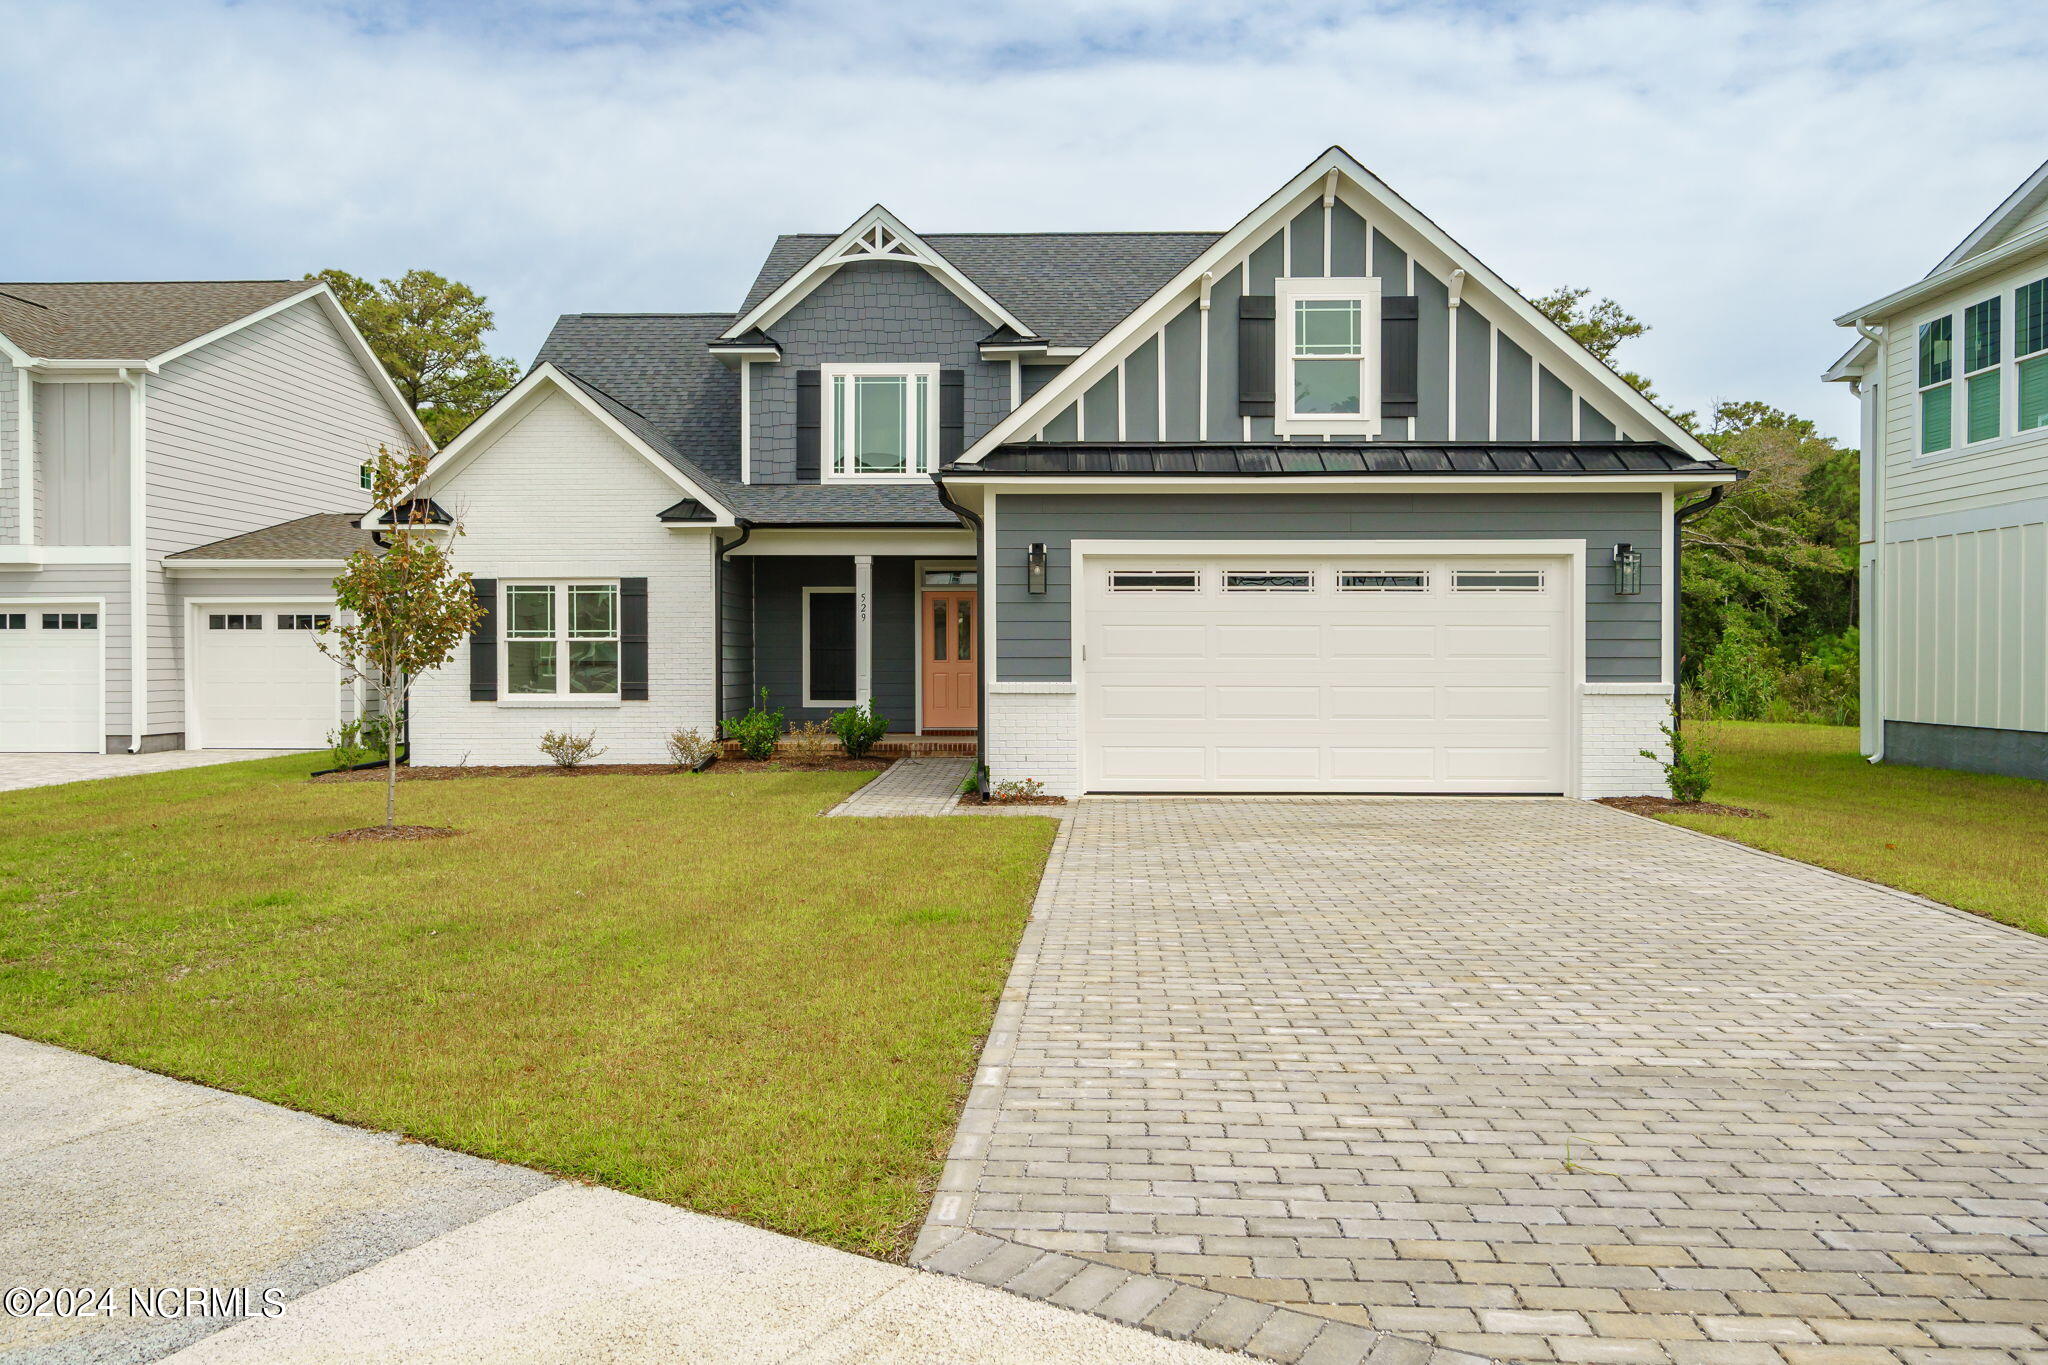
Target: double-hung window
x,y
1326,367
561,640
881,421
1937,387
1982,386
2030,349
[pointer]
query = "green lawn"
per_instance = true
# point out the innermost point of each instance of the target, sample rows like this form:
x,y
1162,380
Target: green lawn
x,y
1978,843
688,987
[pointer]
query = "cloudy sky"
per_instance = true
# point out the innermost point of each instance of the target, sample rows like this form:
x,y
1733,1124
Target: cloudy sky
x,y
1734,173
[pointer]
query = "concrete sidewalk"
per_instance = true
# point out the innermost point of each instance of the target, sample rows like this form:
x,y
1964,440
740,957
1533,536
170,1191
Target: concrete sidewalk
x,y
385,1250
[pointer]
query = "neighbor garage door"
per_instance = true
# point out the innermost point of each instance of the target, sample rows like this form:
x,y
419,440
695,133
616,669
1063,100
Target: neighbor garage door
x,y
50,686
1362,674
258,681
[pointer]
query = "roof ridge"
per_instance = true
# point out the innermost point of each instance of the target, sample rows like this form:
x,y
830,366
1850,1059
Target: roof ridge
x,y
651,315
308,283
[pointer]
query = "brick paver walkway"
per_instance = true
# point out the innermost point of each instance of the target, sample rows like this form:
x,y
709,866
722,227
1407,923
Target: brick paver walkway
x,y
928,786
21,771
1533,1079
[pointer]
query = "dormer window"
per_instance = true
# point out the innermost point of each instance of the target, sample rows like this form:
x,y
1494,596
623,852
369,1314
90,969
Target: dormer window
x,y
881,421
1328,370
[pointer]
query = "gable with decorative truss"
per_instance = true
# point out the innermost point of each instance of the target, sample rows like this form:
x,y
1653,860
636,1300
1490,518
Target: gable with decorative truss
x,y
877,235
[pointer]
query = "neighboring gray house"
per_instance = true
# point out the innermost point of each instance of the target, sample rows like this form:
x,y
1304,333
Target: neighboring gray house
x,y
139,422
1317,503
1952,371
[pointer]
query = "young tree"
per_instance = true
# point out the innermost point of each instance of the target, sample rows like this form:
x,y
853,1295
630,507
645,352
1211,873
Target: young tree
x,y
403,610
429,333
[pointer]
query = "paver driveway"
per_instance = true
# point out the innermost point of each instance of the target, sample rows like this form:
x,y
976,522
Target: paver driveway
x,y
1529,1078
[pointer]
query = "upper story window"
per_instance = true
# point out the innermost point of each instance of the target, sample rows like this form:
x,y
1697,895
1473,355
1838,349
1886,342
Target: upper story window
x,y
1982,408
1937,394
880,421
2030,349
1327,372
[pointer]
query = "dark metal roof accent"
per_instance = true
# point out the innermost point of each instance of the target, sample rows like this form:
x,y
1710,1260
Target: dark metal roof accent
x,y
432,513
1007,337
129,320
324,536
1068,287
1303,458
753,339
689,509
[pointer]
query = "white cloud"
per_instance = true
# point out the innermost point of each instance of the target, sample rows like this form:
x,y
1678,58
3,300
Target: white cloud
x,y
1734,173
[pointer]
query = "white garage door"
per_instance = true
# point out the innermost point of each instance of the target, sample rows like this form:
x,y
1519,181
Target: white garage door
x,y
258,682
1363,674
50,686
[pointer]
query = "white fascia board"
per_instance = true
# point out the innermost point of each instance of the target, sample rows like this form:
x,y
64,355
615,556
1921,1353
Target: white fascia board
x,y
1854,363
16,357
1962,273
507,411
1327,483
324,567
1381,204
814,271
2018,203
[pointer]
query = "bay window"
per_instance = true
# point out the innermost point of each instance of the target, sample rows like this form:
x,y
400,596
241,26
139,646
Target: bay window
x,y
561,640
1326,369
881,421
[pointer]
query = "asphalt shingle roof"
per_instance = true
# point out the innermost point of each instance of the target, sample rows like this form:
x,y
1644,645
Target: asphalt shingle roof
x,y
322,536
1069,287
128,320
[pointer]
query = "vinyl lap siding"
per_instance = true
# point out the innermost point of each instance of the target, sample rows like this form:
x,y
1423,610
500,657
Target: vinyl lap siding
x,y
1624,635
266,424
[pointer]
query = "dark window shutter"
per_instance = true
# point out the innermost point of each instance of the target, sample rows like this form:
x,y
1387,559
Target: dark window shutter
x,y
483,642
632,639
809,439
1399,332
1255,344
952,414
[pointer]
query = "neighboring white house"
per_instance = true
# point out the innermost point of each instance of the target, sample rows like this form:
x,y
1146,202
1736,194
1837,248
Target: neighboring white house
x,y
140,422
1952,371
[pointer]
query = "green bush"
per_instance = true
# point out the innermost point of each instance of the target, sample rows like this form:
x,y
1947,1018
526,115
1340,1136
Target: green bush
x,y
1689,770
757,731
859,728
1739,678
1824,686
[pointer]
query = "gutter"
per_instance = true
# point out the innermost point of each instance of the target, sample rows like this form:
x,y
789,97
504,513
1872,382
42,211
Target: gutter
x,y
987,585
718,623
1679,517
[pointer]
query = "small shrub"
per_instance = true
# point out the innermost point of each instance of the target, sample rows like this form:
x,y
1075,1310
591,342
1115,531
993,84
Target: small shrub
x,y
1689,771
1018,789
971,783
1739,676
858,729
810,742
570,750
1824,687
345,745
757,730
688,748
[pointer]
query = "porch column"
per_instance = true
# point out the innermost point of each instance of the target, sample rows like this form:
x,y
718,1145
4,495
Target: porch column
x,y
863,629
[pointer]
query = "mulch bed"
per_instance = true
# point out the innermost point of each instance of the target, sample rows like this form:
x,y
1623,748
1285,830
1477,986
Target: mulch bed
x,y
1025,801
1664,805
386,834
740,765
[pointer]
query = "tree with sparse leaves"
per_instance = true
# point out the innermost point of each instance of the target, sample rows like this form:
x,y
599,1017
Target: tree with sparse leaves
x,y
429,333
401,611
1600,328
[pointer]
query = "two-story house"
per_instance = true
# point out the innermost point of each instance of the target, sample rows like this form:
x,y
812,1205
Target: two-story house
x,y
141,423
1315,503
1952,371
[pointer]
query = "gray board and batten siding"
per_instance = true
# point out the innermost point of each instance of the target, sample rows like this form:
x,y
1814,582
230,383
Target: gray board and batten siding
x,y
1473,382
1624,635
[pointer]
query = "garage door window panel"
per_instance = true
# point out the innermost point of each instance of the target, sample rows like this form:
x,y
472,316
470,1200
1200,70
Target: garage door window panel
x,y
71,620
1155,580
1269,580
1498,580
1377,580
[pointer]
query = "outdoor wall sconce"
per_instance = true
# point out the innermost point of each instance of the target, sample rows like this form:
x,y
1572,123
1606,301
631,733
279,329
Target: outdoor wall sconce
x,y
1034,568
1628,570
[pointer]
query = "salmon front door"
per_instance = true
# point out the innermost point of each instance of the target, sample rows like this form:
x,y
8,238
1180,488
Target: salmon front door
x,y
949,699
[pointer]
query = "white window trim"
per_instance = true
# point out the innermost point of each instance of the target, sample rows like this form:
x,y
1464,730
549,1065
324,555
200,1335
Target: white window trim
x,y
828,434
1367,290
811,700
561,696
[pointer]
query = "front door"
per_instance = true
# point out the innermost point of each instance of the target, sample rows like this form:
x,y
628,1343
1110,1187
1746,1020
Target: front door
x,y
948,632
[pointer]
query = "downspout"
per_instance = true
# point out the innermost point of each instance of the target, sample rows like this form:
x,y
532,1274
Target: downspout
x,y
25,458
1871,423
987,585
718,621
1679,517
138,561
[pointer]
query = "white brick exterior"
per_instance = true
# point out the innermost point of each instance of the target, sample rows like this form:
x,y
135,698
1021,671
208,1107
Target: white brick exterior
x,y
1033,733
557,496
1615,726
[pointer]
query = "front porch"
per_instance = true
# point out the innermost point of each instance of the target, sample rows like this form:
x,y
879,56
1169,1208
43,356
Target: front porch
x,y
823,632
